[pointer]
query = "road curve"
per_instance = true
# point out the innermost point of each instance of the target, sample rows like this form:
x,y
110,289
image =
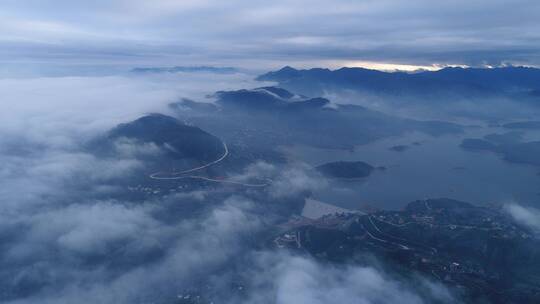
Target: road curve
x,y
225,154
268,181
181,174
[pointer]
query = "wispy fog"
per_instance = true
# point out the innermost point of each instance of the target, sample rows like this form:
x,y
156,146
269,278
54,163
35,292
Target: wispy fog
x,y
63,241
527,216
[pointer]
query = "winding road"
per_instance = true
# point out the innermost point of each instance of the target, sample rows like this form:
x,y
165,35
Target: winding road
x,y
225,154
182,174
379,235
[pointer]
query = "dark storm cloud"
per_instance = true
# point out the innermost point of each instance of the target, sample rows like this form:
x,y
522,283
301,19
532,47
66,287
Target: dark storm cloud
x,y
244,32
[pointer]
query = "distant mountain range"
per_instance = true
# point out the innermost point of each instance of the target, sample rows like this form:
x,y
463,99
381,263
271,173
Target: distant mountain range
x,y
186,69
468,82
278,117
269,98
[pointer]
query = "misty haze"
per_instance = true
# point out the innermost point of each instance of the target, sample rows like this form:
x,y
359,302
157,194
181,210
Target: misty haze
x,y
240,152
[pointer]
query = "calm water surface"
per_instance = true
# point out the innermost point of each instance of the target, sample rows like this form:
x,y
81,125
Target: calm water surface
x,y
433,167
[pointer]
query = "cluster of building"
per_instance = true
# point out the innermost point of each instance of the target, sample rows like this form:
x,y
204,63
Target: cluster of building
x,y
156,190
288,240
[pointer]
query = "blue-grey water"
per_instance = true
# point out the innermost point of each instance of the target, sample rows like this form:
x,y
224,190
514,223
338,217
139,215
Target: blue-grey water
x,y
434,167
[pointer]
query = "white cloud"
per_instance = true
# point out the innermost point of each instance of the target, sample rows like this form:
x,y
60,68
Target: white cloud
x,y
286,181
295,180
61,240
88,229
46,121
64,246
299,280
525,215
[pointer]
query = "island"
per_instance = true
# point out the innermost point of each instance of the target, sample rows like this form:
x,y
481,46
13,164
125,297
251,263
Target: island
x,y
346,169
532,125
399,148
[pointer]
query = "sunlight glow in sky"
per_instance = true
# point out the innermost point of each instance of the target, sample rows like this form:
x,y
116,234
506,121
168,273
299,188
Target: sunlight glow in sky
x,y
383,34
383,66
386,66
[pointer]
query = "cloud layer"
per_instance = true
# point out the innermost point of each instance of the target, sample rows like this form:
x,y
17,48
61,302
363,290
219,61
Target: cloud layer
x,y
296,279
65,237
256,34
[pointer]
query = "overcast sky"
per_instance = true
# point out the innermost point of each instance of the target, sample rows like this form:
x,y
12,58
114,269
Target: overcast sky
x,y
262,34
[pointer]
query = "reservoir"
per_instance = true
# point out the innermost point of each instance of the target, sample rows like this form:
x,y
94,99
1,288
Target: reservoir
x,y
423,166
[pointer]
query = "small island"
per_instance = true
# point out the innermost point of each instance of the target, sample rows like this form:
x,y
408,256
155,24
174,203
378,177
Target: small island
x,y
531,125
399,148
515,152
346,169
478,144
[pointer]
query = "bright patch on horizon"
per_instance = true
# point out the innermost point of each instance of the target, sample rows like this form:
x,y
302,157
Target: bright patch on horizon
x,y
383,66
